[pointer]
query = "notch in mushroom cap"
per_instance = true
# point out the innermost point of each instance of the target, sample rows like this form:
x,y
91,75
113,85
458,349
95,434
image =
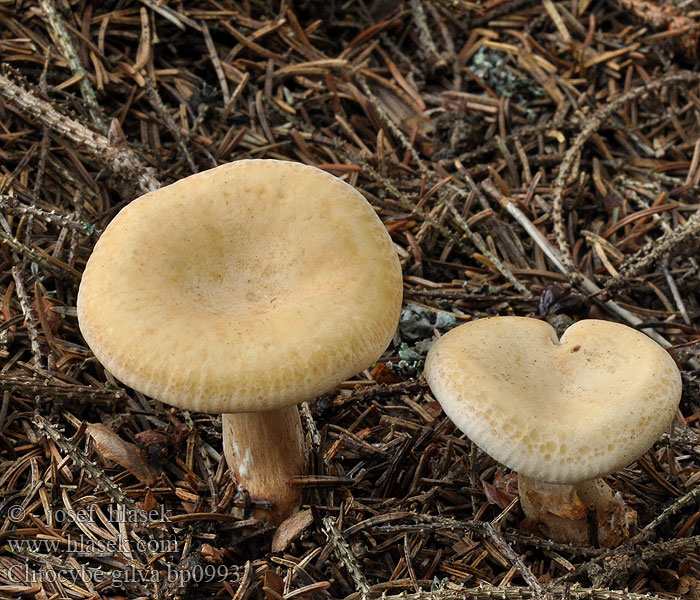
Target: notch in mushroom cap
x,y
244,290
563,412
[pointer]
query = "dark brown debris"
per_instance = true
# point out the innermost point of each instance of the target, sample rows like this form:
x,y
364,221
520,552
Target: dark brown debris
x,y
528,158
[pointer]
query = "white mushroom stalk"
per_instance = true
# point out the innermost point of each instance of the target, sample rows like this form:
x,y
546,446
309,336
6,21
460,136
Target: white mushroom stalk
x,y
244,290
561,413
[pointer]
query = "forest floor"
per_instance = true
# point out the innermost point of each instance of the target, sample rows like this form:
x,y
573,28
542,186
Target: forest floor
x,y
533,158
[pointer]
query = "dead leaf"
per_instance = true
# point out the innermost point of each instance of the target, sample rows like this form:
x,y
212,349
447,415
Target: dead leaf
x,y
433,408
53,319
143,52
688,586
290,529
273,585
110,446
211,555
149,503
497,496
507,483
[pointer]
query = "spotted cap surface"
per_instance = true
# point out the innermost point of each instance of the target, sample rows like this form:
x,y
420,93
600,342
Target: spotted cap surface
x,y
557,411
252,286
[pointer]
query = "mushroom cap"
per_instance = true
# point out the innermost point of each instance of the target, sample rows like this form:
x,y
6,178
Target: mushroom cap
x,y
252,286
557,411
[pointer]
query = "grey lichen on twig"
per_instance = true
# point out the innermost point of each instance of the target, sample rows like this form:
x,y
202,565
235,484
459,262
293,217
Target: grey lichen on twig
x,y
392,125
45,388
311,430
428,523
345,555
690,498
11,205
65,44
516,593
583,282
50,263
425,40
128,511
537,590
458,241
616,564
481,246
478,242
122,161
174,130
592,125
29,319
101,479
652,252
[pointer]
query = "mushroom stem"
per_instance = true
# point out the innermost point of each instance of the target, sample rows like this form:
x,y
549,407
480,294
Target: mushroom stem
x,y
265,450
589,512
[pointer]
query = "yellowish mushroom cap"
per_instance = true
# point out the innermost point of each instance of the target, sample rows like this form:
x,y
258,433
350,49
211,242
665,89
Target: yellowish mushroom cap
x,y
252,286
557,411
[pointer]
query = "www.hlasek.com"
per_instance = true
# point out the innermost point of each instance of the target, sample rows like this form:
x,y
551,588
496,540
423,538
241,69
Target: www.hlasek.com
x,y
83,545
23,574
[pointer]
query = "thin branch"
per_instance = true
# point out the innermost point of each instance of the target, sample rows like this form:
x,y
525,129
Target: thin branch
x,y
592,125
99,477
479,243
425,40
64,42
582,281
51,264
122,161
10,204
345,555
28,315
174,130
517,593
44,388
537,590
652,252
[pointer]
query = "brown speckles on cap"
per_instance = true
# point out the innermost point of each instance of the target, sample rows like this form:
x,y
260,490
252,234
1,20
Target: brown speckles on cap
x,y
262,283
591,404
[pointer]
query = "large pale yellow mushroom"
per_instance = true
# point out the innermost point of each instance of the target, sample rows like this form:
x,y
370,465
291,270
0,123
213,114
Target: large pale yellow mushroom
x,y
244,290
561,413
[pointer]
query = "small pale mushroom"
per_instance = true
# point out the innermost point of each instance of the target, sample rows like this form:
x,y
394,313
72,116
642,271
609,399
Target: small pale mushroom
x,y
244,290
561,413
